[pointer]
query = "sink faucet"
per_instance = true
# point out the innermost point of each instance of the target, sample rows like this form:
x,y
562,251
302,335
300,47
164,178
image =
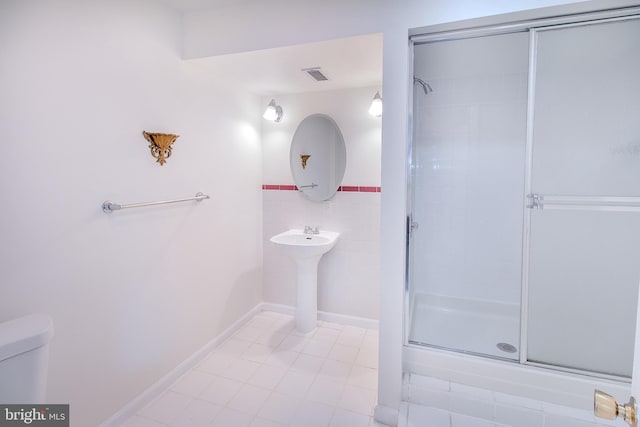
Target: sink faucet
x,y
311,230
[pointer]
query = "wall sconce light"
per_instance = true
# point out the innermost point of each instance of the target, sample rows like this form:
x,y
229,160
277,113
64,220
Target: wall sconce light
x,y
376,106
273,112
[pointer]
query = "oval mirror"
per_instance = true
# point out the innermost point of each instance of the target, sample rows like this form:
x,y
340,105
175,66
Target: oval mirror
x,y
318,157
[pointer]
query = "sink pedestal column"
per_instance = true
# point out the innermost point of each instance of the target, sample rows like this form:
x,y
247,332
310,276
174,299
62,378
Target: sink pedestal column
x,y
307,307
306,250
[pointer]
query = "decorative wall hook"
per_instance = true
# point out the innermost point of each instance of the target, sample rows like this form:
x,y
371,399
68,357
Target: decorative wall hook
x,y
160,145
303,160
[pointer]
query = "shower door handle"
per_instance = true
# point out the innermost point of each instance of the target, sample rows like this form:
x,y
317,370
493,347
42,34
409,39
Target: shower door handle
x,y
605,406
411,226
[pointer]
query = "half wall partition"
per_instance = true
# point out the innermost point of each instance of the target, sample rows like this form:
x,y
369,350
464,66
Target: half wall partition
x,y
524,201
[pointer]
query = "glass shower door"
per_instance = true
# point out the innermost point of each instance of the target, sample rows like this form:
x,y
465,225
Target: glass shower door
x,y
468,156
584,242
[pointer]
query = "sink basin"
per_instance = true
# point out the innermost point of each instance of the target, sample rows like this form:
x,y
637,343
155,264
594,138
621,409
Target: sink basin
x,y
306,250
297,244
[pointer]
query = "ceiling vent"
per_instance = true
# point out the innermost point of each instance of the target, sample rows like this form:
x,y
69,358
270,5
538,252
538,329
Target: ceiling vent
x,y
316,74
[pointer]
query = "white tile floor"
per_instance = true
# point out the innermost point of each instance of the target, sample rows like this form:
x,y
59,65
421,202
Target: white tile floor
x,y
266,375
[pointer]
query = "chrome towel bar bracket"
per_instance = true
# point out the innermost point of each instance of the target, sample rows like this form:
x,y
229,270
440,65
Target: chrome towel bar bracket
x,y
109,206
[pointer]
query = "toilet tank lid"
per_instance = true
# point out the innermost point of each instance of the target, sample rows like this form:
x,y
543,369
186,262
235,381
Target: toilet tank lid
x,y
24,334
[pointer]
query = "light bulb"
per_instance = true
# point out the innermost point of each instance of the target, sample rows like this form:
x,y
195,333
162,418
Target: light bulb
x,y
270,113
273,112
376,106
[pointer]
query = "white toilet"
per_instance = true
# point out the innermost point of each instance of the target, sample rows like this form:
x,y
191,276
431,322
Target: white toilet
x,y
24,355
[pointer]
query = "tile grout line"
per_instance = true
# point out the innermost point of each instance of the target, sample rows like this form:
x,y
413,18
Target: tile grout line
x,y
331,341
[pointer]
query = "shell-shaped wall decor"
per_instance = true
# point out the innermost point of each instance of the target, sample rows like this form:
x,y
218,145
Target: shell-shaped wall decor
x,y
160,145
303,160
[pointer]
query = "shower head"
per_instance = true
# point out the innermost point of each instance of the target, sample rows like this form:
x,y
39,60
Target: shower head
x,y
425,85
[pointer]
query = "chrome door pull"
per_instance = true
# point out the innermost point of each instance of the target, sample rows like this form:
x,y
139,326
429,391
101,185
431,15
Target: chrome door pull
x,y
605,406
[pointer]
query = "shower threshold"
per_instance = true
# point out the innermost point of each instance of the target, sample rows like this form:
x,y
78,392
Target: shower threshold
x,y
465,325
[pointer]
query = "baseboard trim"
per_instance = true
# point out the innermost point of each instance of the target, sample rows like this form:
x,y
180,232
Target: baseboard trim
x,y
325,316
133,407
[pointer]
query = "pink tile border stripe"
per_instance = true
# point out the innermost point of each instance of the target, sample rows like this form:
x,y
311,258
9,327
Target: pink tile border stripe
x,y
352,188
361,189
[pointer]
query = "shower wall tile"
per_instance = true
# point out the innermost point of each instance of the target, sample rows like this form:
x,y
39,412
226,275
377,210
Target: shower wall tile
x,y
466,421
518,416
573,413
468,149
489,408
430,383
425,416
510,399
460,404
419,416
434,398
478,393
559,421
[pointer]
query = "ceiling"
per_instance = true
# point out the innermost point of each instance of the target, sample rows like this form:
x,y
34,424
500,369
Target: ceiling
x,y
193,5
348,63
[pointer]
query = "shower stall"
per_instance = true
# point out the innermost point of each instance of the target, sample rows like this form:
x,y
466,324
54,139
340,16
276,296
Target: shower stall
x,y
523,223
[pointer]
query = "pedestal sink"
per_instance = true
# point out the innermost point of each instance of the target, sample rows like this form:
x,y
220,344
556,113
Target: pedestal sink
x,y
306,250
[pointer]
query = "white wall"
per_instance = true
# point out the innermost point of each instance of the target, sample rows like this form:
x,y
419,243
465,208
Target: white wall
x,y
349,108
134,293
256,25
349,275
